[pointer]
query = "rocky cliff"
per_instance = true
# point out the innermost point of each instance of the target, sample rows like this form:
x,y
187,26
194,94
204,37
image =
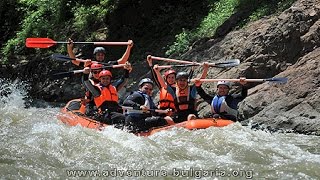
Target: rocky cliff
x,y
285,45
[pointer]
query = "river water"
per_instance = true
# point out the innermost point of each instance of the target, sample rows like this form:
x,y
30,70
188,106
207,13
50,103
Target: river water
x,y
36,145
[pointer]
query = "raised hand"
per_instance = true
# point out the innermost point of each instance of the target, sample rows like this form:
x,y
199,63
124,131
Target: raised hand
x,y
197,82
130,43
128,67
70,43
243,81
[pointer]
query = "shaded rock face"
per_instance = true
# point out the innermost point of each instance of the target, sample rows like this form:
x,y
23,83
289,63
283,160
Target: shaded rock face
x,y
283,46
294,106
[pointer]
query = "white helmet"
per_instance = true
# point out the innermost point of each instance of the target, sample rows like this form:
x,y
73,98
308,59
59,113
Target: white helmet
x,y
227,83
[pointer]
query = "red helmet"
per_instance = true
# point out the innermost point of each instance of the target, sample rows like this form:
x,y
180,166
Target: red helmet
x,y
105,73
96,66
170,71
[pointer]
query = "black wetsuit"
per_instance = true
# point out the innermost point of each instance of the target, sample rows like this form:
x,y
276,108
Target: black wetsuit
x,y
136,122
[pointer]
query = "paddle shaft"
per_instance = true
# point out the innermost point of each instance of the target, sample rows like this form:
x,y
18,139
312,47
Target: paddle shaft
x,y
230,80
148,110
222,64
66,74
113,66
67,58
77,71
94,43
171,66
47,42
173,60
276,80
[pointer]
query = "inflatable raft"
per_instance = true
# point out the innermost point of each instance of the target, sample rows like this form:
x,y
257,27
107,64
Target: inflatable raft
x,y
73,114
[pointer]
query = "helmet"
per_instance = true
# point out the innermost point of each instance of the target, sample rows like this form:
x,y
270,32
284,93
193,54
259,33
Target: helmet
x,y
105,73
181,75
99,49
170,71
96,66
227,83
145,80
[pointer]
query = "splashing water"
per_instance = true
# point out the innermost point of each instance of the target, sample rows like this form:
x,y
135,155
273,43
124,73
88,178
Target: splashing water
x,y
36,145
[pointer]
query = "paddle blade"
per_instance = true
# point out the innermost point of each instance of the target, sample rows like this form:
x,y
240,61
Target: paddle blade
x,y
227,63
281,80
40,42
61,57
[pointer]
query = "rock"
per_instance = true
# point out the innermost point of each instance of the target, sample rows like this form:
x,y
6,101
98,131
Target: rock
x,y
294,106
283,46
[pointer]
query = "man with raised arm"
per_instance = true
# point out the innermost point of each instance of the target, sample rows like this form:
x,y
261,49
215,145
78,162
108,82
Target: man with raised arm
x,y
223,104
99,54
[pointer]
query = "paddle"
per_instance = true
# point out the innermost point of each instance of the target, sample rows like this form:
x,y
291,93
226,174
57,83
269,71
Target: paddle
x,y
222,64
228,63
137,109
47,42
176,65
61,57
272,80
61,75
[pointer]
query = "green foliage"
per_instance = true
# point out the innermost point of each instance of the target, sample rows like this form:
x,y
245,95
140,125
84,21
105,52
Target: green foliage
x,y
41,20
170,26
88,18
182,42
53,18
263,8
219,12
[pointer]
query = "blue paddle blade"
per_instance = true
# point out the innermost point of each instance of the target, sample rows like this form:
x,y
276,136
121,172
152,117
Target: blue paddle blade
x,y
227,63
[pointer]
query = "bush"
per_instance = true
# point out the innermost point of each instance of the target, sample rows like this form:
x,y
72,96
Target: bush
x,y
219,12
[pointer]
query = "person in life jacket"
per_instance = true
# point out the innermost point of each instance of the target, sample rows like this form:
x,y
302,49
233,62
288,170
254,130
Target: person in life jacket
x,y
223,104
184,97
140,118
105,97
99,55
87,101
166,100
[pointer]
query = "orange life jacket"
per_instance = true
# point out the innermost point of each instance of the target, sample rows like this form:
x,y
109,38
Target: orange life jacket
x,y
108,93
166,100
183,98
